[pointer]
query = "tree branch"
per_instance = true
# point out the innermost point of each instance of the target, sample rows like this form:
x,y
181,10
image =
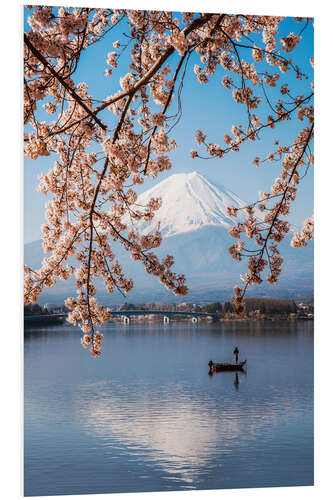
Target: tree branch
x,y
277,213
72,92
155,67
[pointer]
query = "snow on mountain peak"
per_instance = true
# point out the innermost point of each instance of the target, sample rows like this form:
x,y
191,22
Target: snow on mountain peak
x,y
189,202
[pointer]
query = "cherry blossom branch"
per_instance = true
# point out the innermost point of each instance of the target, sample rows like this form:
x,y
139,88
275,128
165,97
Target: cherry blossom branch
x,y
92,209
200,21
238,296
42,59
182,59
142,81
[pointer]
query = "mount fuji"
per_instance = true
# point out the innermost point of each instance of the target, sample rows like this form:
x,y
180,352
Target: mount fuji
x,y
194,224
189,203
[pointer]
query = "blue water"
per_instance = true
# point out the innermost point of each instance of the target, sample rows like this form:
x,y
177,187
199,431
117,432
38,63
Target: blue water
x,y
146,416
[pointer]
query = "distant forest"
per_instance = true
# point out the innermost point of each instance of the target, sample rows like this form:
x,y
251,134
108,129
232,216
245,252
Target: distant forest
x,y
262,306
270,306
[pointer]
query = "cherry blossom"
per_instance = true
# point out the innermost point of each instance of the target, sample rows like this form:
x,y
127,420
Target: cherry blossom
x,y
96,164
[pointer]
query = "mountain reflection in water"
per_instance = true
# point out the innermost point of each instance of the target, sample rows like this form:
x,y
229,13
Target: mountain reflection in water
x,y
177,432
148,417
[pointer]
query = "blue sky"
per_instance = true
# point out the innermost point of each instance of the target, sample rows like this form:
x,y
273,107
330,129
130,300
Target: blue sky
x,y
206,106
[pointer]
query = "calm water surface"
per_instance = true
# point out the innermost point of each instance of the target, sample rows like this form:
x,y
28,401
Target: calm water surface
x,y
147,417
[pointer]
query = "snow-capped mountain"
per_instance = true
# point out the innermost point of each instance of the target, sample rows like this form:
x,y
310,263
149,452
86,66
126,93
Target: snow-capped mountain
x,y
194,224
189,202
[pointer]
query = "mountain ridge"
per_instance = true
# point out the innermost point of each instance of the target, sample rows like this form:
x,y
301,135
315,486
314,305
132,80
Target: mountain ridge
x,y
189,202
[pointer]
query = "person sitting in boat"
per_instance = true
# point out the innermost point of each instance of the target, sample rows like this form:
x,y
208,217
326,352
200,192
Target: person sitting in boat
x,y
236,352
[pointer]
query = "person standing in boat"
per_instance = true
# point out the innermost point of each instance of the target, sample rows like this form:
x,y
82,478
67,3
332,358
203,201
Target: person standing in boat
x,y
236,352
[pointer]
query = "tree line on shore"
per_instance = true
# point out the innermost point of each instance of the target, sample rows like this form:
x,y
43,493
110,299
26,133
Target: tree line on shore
x,y
254,307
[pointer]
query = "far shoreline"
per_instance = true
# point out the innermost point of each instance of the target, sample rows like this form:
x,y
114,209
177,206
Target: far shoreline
x,y
31,323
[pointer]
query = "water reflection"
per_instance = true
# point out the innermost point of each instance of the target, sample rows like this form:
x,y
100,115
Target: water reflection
x,y
169,428
148,418
236,381
236,377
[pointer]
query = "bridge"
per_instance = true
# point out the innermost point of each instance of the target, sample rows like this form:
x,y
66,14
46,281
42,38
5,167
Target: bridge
x,y
126,315
166,315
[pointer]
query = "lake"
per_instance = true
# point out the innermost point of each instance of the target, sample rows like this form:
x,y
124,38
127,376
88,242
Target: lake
x,y
146,416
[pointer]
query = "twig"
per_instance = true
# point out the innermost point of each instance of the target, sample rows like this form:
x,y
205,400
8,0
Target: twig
x,y
78,99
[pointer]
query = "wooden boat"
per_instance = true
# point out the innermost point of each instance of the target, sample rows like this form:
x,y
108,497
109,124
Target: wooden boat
x,y
222,367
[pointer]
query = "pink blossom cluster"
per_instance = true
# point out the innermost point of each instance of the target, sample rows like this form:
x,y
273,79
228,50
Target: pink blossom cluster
x,y
289,42
112,59
302,238
179,42
257,54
